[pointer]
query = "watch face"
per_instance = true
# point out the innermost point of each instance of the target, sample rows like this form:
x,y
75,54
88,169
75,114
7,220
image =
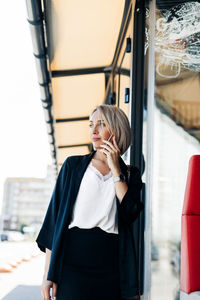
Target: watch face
x,y
122,177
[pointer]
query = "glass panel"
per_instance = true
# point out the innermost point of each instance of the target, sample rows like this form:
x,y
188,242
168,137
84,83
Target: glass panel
x,y
176,135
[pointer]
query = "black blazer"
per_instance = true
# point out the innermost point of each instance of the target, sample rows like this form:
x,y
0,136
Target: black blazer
x,y
59,214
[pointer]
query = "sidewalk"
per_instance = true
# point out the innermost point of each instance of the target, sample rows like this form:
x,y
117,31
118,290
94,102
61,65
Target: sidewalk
x,y
24,281
24,292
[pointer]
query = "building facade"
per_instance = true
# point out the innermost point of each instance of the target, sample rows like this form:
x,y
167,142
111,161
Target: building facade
x,y
25,200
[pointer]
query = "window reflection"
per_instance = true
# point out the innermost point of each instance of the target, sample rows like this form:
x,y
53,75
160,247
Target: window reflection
x,y
176,134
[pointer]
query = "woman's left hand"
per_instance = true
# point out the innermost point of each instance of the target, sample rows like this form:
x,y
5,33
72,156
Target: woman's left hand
x,y
112,152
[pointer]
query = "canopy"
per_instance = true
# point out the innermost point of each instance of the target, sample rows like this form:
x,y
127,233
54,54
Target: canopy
x,y
81,39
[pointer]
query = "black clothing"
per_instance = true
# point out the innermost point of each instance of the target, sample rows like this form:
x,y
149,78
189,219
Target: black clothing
x,y
91,265
59,215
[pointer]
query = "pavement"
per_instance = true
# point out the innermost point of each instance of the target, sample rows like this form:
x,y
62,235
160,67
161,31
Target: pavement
x,y
24,281
164,284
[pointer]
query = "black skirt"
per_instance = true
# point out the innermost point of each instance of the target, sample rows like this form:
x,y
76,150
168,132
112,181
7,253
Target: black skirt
x,y
91,266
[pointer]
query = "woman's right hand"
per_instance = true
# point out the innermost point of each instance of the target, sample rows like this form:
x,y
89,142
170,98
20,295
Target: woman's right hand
x,y
45,289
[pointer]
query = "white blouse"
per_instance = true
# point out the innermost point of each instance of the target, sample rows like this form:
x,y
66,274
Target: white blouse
x,y
95,204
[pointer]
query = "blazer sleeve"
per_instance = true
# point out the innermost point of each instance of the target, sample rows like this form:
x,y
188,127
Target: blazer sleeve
x,y
46,233
131,205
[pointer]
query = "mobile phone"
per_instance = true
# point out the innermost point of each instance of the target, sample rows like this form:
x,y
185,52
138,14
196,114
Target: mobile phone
x,y
109,138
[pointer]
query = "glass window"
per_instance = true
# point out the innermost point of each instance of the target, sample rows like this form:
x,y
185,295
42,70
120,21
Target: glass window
x,y
176,135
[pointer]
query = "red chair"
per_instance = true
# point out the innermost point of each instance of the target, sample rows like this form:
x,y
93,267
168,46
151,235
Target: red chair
x,y
190,230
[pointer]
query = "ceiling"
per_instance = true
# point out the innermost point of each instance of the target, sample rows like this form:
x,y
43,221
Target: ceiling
x,y
80,39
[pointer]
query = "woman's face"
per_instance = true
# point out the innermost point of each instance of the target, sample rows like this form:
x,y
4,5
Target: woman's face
x,y
98,130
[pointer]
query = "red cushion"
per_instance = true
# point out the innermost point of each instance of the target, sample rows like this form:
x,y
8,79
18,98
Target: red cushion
x,y
192,191
190,230
190,254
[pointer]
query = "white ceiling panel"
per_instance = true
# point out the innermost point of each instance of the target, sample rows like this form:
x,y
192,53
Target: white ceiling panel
x,y
72,133
83,34
76,96
63,153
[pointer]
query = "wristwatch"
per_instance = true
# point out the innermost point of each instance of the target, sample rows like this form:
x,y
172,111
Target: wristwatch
x,y
121,177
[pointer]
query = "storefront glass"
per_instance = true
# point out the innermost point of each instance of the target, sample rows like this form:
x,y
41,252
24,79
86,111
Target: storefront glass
x,y
176,135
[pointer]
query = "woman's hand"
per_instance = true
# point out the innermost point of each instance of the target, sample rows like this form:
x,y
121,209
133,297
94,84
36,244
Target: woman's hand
x,y
112,152
45,289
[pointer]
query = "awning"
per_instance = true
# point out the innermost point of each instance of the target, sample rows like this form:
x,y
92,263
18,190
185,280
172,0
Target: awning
x,y
80,38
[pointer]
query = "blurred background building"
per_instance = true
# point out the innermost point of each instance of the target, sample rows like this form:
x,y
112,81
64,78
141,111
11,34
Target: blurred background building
x,y
25,201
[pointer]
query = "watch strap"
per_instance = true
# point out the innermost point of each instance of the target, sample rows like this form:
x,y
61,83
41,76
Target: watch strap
x,y
121,177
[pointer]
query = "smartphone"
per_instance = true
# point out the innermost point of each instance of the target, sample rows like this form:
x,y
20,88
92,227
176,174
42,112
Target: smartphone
x,y
109,138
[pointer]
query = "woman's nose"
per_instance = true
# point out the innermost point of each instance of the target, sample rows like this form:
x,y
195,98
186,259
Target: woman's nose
x,y
95,128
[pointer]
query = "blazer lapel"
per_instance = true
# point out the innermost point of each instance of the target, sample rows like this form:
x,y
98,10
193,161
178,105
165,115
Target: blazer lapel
x,y
80,170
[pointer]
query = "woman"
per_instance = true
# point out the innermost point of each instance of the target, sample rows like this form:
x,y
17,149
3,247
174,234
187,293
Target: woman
x,y
86,232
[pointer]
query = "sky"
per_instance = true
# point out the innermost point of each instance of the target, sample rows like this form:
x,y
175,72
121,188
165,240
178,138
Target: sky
x,y
25,150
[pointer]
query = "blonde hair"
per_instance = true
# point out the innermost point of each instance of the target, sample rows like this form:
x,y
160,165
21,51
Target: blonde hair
x,y
118,124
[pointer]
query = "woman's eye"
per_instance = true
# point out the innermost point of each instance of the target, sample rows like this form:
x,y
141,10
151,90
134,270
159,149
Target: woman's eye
x,y
101,124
